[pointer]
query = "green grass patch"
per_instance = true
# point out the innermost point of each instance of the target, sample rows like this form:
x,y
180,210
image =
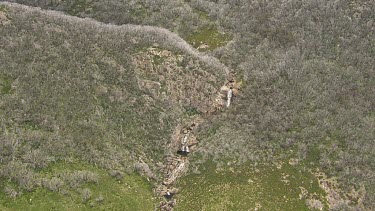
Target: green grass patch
x,y
312,157
210,37
157,60
30,125
191,111
5,84
247,187
132,192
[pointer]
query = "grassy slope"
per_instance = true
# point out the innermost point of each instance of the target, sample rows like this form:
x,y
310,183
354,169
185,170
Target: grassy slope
x,y
247,186
129,193
209,36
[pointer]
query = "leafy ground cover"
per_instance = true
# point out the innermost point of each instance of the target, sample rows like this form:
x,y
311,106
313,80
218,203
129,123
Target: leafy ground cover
x,y
132,192
247,187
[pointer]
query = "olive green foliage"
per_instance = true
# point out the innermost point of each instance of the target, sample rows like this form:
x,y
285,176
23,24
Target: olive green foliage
x,y
193,24
158,60
80,6
308,67
177,16
208,37
3,8
69,92
191,111
68,101
5,85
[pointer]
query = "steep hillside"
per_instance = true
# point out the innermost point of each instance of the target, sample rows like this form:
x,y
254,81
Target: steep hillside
x,y
309,78
100,98
75,90
190,23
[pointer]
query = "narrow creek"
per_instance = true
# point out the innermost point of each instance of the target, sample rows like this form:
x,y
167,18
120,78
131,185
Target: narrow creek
x,y
184,142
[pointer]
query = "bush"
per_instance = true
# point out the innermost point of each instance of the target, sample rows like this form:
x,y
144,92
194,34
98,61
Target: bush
x,y
86,195
99,199
54,184
11,192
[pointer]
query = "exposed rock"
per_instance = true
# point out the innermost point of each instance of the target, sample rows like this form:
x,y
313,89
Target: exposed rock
x,y
183,137
203,46
258,206
163,74
167,205
314,204
221,98
293,161
163,190
303,193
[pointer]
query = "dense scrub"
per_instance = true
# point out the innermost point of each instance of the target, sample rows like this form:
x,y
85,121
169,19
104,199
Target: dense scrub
x,y
177,15
309,78
307,68
70,92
